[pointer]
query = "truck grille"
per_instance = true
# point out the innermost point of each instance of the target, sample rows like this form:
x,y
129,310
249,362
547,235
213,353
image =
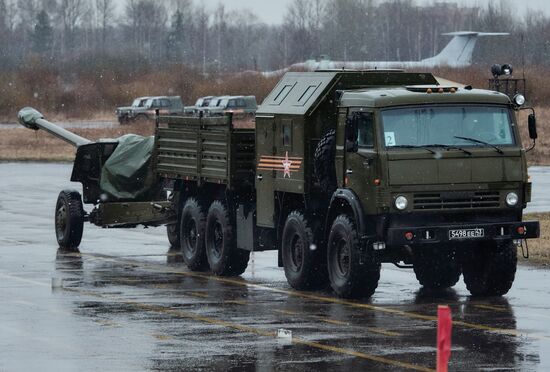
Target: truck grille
x,y
457,200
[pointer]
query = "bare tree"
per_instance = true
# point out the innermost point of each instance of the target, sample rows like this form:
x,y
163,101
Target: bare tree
x,y
221,40
8,13
105,10
297,22
28,9
202,18
71,13
147,20
220,27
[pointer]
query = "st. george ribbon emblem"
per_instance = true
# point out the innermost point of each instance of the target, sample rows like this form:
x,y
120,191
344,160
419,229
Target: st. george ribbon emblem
x,y
286,164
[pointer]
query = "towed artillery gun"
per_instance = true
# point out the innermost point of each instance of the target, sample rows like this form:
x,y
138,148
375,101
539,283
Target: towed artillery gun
x,y
343,171
116,177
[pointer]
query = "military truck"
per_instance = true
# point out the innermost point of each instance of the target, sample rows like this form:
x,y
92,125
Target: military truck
x,y
344,170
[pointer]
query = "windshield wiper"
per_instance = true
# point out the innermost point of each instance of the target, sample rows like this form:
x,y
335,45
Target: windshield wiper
x,y
449,147
415,147
499,150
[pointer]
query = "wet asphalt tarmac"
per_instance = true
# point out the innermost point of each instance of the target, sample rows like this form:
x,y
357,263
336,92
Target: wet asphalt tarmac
x,y
126,302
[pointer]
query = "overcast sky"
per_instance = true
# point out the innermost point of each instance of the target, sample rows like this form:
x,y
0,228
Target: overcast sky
x,y
273,11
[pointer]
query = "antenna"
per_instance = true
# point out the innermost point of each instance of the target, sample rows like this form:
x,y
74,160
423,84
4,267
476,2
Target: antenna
x,y
523,54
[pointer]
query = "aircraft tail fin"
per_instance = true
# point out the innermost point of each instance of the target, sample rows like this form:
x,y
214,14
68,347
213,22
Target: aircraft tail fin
x,y
458,52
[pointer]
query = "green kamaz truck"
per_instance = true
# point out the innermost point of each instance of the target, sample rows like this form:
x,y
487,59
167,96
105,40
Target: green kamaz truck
x,y
343,171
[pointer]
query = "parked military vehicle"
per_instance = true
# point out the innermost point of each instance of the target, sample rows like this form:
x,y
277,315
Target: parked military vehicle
x,y
199,104
345,170
143,109
245,105
122,113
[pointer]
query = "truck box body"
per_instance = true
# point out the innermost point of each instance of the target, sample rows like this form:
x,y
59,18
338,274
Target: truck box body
x,y
205,150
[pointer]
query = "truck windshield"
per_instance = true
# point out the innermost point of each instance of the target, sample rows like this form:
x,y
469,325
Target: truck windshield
x,y
424,126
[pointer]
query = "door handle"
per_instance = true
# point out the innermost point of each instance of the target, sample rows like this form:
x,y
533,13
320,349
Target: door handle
x,y
349,171
260,177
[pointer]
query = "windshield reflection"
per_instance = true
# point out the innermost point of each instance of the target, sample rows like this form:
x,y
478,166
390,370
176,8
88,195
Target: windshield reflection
x,y
424,126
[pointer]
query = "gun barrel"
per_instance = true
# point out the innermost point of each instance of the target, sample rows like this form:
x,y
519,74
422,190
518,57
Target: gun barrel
x,y
33,119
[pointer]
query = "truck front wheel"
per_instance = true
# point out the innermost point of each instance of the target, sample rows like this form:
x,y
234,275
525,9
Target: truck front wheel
x,y
224,257
489,269
302,259
353,272
69,219
192,224
436,268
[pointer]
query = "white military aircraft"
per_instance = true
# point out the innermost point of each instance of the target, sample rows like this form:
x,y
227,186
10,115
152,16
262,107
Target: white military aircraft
x,y
457,53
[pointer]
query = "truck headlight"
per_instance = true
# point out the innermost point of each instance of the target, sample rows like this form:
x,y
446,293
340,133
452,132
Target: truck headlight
x,y
401,202
519,99
512,199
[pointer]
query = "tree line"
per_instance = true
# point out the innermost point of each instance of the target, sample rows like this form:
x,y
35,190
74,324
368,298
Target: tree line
x,y
157,33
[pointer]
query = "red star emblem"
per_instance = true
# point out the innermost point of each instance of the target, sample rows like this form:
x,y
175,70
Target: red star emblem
x,y
286,164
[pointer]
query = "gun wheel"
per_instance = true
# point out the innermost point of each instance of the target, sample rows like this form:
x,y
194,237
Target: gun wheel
x,y
173,233
69,219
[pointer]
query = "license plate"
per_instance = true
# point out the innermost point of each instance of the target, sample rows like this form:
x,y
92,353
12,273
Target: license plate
x,y
466,233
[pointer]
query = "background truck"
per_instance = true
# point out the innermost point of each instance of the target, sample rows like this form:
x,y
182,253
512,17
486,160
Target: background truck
x,y
344,171
144,108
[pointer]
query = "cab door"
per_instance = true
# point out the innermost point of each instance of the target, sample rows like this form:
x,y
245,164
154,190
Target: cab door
x,y
360,154
265,173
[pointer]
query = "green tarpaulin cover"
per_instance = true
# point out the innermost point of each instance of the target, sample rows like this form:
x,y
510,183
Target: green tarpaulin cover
x,y
128,173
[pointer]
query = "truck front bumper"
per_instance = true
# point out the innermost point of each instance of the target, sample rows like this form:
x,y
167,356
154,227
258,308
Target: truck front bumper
x,y
463,233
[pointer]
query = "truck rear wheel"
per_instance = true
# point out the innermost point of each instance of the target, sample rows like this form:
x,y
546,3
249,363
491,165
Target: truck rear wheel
x,y
69,219
436,268
353,273
224,257
192,225
490,268
325,171
302,258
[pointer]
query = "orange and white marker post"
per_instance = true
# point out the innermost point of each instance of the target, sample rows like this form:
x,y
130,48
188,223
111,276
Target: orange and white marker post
x,y
444,329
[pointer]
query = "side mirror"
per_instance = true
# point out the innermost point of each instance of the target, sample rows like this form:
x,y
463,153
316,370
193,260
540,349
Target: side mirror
x,y
532,125
351,134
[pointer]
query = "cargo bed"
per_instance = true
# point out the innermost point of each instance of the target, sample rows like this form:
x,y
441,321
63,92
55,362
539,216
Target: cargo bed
x,y
204,150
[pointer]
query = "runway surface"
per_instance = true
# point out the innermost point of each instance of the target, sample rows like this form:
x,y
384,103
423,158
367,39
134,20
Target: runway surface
x,y
126,302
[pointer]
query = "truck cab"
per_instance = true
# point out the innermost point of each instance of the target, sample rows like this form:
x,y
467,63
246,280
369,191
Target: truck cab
x,y
399,169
